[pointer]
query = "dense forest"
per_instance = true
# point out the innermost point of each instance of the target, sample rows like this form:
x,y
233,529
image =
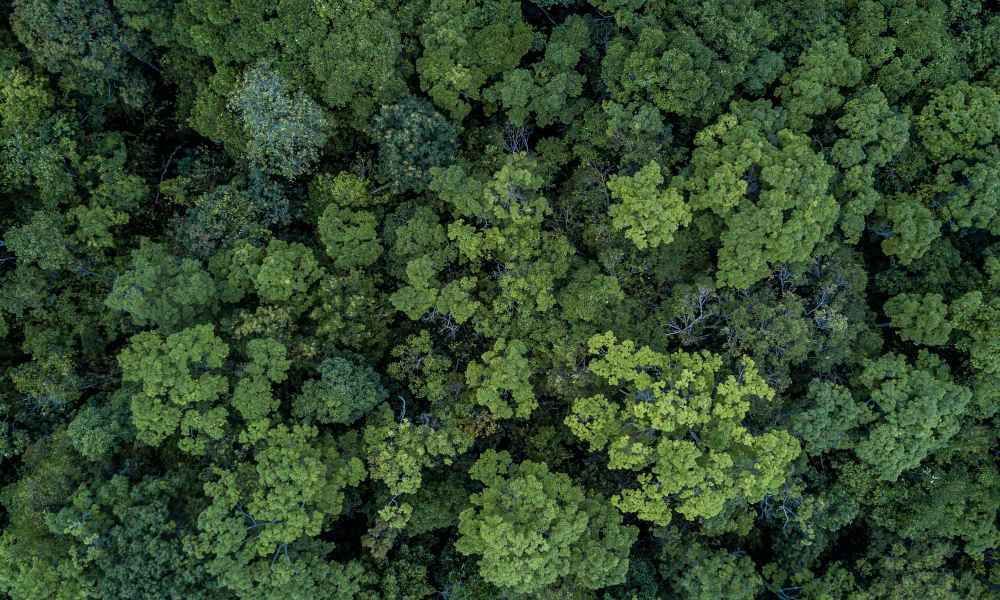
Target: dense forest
x,y
494,299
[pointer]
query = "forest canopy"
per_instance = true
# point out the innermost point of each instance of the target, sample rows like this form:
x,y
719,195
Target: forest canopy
x,y
499,299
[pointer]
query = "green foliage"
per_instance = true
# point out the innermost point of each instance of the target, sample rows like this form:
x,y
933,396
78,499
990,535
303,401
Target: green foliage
x,y
464,46
648,216
533,528
305,299
679,429
84,43
813,88
241,210
350,236
344,393
590,295
958,120
874,133
502,379
93,225
286,273
911,228
920,319
35,563
42,241
25,101
285,130
399,450
268,364
39,142
703,573
357,61
273,508
830,418
159,291
688,70
768,186
125,535
172,374
98,430
49,384
918,411
412,138
550,92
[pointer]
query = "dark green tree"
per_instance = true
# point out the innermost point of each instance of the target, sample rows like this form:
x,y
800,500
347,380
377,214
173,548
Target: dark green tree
x,y
412,138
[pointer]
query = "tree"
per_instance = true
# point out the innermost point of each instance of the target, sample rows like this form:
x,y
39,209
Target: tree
x,y
357,61
958,131
268,365
767,185
286,274
499,222
502,379
958,120
345,392
947,498
350,236
39,141
177,388
534,527
42,241
873,134
908,227
258,535
344,221
590,295
127,536
37,564
412,138
702,573
919,409
463,47
921,319
679,430
159,291
347,311
398,450
686,70
285,130
552,89
813,88
244,209
648,216
98,430
829,417
82,41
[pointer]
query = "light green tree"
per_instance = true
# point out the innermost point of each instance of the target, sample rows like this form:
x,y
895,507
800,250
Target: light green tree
x,y
679,429
502,379
178,386
534,528
919,318
399,449
767,185
648,216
